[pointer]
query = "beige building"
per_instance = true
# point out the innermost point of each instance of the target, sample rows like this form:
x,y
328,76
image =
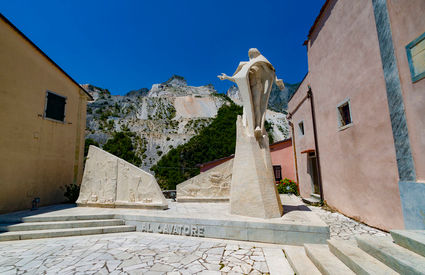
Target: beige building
x,y
42,118
358,116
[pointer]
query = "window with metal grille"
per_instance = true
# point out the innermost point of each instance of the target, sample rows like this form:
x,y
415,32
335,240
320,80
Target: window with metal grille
x,y
55,106
277,169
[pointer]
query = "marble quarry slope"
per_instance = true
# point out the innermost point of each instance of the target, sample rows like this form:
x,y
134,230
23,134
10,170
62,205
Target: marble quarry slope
x,y
164,116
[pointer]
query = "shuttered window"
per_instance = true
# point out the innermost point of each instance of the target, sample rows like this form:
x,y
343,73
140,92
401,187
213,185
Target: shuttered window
x,y
55,106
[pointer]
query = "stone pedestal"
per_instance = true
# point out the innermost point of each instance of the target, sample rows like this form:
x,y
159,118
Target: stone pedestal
x,y
253,190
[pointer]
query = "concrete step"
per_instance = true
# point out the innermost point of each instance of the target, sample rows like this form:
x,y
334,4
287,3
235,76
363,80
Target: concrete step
x,y
26,226
52,233
357,260
398,258
325,261
414,240
316,196
299,261
67,218
311,201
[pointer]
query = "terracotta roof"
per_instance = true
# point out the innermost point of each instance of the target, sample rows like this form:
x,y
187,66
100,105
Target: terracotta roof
x,y
42,53
322,10
280,141
216,160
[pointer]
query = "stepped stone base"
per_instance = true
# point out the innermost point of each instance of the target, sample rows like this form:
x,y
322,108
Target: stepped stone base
x,y
369,255
211,220
51,226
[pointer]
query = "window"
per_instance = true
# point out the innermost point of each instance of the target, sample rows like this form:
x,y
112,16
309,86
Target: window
x,y
344,114
416,57
301,128
277,169
55,106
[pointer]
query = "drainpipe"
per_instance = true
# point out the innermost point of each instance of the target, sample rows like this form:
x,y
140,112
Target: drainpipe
x,y
313,117
295,154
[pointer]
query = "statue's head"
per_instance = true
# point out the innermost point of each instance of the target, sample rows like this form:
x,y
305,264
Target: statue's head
x,y
253,53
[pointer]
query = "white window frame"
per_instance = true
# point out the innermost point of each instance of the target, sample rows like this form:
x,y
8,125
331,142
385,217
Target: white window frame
x,y
339,118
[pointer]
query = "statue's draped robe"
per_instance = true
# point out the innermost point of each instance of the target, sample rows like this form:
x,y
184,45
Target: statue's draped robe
x,y
254,117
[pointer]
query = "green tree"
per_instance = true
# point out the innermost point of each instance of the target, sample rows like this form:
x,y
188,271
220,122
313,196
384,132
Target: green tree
x,y
121,145
87,144
215,141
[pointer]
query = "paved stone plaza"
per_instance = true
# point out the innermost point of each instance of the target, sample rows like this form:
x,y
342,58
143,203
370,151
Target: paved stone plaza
x,y
140,253
147,253
344,228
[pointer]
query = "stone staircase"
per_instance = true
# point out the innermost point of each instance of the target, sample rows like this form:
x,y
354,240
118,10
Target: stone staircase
x,y
404,253
37,227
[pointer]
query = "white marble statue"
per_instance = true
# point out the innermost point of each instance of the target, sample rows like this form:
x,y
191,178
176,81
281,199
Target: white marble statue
x,y
253,190
254,79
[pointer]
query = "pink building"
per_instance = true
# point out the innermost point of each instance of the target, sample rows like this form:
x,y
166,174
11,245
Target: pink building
x,y
358,117
282,155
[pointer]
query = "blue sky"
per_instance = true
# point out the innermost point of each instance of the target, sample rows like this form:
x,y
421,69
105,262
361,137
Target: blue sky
x,y
126,45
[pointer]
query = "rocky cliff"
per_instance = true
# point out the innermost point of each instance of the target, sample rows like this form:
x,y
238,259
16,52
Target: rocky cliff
x,y
163,117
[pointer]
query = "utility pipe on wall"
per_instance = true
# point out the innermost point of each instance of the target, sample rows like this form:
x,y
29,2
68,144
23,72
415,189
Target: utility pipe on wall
x,y
313,117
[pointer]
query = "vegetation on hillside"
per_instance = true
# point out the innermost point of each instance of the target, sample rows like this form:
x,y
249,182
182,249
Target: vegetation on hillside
x,y
121,145
215,141
87,144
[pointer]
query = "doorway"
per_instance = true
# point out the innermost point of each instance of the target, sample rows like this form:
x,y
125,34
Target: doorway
x,y
312,171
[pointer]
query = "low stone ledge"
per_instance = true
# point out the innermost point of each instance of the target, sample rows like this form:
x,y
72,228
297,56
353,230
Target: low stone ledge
x,y
266,231
202,199
125,205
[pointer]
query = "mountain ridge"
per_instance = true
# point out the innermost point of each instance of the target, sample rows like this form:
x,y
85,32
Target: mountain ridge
x,y
160,119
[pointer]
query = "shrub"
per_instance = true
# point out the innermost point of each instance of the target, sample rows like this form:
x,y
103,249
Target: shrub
x,y
287,186
121,146
72,191
87,144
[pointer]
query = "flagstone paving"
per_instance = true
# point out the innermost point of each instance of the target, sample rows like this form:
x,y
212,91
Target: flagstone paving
x,y
146,253
134,253
344,228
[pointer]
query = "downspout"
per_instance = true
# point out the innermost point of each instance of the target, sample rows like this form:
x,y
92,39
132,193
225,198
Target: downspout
x,y
295,154
313,117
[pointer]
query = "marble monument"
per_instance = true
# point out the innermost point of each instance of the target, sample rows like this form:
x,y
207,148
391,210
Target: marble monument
x,y
209,186
253,191
109,181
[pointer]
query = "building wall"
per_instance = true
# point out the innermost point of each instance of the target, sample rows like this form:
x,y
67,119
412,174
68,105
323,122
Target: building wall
x,y
407,24
302,142
406,21
38,156
359,168
282,154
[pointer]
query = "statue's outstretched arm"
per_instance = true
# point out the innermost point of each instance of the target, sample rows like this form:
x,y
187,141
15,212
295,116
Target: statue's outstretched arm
x,y
241,64
224,76
279,83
